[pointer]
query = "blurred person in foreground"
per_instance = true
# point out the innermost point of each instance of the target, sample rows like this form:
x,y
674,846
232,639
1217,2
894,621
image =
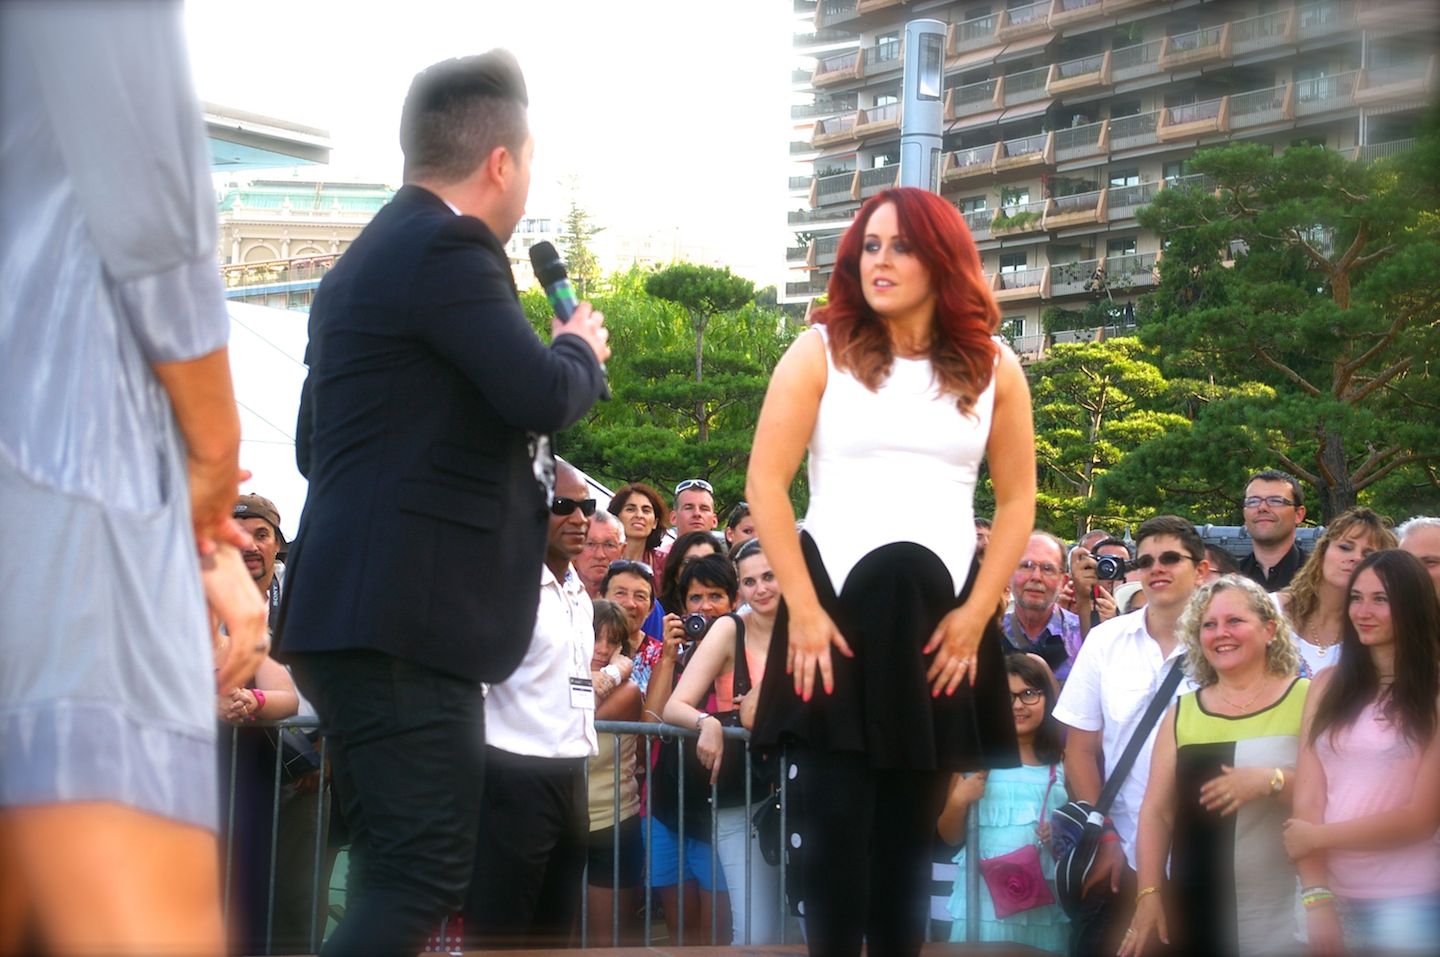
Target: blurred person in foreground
x,y
119,445
424,431
886,672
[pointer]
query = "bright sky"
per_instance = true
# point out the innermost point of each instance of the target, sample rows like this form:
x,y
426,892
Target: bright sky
x,y
672,114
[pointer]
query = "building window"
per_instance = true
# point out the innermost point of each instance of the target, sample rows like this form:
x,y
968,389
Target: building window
x,y
1120,247
1014,196
1012,262
1119,108
1175,170
1012,327
971,204
1125,177
977,12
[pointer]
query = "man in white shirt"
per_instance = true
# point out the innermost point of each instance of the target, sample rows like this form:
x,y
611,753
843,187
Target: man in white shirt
x,y
1119,669
540,730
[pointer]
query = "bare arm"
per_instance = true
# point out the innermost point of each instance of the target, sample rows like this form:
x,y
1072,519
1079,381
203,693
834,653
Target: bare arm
x,y
1082,765
787,420
1010,454
1309,807
714,657
1152,850
964,791
662,676
623,704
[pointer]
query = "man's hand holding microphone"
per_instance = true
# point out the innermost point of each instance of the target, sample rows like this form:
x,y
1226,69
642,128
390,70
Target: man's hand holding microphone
x,y
572,317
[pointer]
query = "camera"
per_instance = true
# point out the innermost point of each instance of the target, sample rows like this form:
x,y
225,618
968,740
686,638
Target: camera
x,y
1111,567
696,626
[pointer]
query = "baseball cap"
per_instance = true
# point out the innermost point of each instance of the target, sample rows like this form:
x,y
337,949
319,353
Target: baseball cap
x,y
258,506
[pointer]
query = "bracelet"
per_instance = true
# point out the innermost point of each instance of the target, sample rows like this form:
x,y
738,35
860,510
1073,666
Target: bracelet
x,y
259,699
1143,892
1109,837
1316,897
1277,781
612,672
703,716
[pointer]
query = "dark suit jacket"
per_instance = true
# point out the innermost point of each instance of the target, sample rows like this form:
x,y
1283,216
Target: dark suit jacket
x,y
424,528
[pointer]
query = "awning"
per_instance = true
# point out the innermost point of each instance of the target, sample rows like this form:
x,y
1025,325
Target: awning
x,y
969,59
1024,47
1025,111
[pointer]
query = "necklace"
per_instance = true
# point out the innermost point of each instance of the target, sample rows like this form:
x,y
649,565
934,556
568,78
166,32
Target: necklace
x,y
1243,708
1321,648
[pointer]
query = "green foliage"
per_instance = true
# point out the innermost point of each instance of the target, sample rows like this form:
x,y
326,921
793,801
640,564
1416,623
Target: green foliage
x,y
1015,220
651,429
1314,350
580,261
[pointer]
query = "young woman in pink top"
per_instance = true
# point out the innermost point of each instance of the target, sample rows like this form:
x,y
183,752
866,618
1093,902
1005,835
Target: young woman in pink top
x,y
1367,795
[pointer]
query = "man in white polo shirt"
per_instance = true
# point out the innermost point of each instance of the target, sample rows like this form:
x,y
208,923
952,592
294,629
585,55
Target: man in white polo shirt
x,y
539,731
1119,669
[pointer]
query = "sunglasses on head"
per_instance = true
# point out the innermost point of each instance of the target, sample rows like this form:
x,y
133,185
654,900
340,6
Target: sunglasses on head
x,y
1165,558
567,506
747,549
688,484
630,565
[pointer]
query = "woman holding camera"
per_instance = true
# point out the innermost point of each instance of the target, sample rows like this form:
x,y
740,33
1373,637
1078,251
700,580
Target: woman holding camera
x,y
715,664
898,392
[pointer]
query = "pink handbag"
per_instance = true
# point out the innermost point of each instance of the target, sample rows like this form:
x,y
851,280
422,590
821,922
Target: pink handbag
x,y
1015,879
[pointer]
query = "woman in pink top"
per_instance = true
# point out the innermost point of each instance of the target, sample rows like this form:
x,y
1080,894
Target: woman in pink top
x,y
1367,794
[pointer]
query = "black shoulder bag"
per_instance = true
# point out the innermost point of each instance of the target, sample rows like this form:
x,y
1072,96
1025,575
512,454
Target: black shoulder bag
x,y
1076,827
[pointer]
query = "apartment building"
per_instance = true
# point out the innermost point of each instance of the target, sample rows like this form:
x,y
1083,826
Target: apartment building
x,y
1064,117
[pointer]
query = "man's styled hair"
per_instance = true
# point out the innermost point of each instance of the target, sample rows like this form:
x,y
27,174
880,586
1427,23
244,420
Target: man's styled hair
x,y
713,570
1415,524
1180,528
458,112
1275,475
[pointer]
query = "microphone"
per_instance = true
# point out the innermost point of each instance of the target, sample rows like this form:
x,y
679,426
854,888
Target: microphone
x,y
550,271
553,278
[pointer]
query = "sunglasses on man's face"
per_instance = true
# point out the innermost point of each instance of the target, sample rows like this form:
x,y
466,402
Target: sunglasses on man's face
x,y
567,506
1168,559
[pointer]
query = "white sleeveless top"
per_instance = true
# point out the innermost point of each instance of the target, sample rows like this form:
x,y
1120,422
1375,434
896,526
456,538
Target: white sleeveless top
x,y
895,465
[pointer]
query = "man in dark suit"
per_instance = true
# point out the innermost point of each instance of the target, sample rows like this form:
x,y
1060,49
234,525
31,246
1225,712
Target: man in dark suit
x,y
423,431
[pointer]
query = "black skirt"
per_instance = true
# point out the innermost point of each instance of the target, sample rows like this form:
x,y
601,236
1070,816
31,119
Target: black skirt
x,y
882,706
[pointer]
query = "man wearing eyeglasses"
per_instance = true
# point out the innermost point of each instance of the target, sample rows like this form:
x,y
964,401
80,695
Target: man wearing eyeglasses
x,y
540,729
1119,669
1273,507
1037,624
604,542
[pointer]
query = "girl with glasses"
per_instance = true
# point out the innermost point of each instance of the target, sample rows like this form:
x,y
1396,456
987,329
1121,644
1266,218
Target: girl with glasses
x,y
1014,807
886,673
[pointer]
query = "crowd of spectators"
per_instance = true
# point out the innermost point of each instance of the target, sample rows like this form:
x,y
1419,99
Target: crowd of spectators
x,y
1237,788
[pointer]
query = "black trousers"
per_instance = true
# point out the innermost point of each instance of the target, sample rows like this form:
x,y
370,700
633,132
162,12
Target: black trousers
x,y
530,854
864,852
407,748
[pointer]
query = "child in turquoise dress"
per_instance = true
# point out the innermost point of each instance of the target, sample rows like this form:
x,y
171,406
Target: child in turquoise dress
x,y
1009,803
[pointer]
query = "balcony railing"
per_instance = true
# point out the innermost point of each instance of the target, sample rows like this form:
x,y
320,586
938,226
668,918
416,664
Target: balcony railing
x,y
801,146
1019,217
882,56
1136,269
978,221
1071,11
801,182
1024,145
1193,112
834,11
1261,106
834,187
975,156
1324,18
1027,86
797,217
1325,93
805,287
1375,151
797,254
1266,30
1123,200
1087,64
973,34
1022,278
1078,202
821,107
825,248
873,181
972,98
881,114
839,67
1142,59
1081,140
835,127
1200,182
1031,15
1137,130
1074,277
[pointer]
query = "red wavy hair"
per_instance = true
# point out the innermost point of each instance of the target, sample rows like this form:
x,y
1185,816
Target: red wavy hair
x,y
962,351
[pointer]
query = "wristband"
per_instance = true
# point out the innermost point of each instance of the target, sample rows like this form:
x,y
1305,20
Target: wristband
x,y
1109,837
703,716
1316,897
612,672
259,699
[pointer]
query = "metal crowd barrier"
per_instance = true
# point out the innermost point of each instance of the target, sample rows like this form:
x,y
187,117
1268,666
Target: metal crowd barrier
x,y
648,732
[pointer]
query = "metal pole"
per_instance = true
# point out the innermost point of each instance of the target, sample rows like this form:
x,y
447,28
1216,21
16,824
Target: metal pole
x,y
585,870
680,844
922,99
615,854
316,925
972,874
274,845
746,825
784,834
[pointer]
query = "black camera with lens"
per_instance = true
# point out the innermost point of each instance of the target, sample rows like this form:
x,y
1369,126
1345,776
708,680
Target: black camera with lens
x,y
1112,567
696,626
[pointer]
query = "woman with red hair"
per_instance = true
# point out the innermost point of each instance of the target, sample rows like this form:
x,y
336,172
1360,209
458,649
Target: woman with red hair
x,y
899,391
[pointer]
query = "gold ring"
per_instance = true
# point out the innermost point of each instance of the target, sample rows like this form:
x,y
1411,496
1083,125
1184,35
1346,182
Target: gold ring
x,y
1130,932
